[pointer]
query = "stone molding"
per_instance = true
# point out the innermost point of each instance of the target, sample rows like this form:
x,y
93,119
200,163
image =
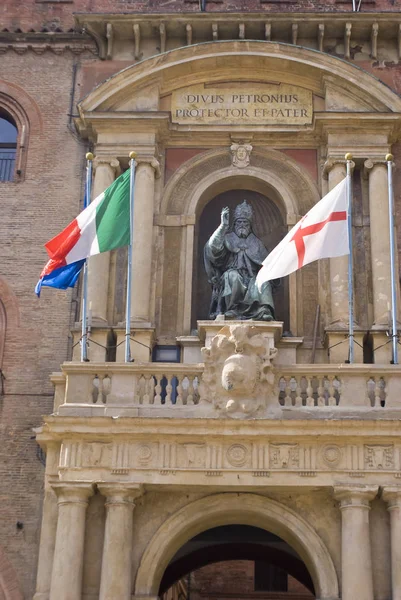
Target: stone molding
x,y
355,497
230,55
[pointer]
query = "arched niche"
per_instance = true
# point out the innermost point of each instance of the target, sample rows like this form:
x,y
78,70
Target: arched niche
x,y
243,509
269,225
271,174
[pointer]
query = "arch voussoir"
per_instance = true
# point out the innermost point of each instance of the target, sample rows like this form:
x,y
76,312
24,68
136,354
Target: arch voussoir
x,y
245,509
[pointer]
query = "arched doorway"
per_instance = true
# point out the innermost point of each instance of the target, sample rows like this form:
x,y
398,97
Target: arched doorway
x,y
236,560
268,225
247,509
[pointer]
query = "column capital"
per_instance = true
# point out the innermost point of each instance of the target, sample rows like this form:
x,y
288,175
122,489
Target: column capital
x,y
392,496
333,162
350,496
151,161
73,493
370,163
119,494
109,161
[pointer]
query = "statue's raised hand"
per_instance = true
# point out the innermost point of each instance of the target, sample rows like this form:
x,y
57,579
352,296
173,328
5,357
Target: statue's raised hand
x,y
225,217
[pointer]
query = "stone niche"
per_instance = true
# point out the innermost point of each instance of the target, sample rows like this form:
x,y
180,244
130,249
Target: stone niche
x,y
268,225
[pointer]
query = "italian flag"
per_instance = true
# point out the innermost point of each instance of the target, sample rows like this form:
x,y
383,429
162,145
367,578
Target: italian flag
x,y
104,225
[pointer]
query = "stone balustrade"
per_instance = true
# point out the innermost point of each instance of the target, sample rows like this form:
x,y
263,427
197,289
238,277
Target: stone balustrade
x,y
171,389
342,387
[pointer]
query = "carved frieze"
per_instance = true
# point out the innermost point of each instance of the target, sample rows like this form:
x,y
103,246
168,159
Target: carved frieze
x,y
379,457
214,458
284,456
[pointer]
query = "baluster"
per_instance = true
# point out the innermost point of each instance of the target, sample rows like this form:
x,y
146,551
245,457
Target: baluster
x,y
169,388
101,396
309,392
158,390
136,389
298,392
179,401
194,385
146,390
370,390
151,389
320,393
331,400
191,391
287,397
106,384
95,389
337,390
377,393
384,392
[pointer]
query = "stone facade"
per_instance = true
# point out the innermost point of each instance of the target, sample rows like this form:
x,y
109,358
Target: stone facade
x,y
135,460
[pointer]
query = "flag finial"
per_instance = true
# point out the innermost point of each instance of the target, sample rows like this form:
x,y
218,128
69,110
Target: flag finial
x,y
133,155
389,157
348,156
89,156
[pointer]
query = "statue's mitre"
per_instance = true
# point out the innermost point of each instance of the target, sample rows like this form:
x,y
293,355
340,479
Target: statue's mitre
x,y
243,211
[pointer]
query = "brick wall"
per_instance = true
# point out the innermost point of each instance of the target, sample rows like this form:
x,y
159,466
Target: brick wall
x,y
235,580
32,211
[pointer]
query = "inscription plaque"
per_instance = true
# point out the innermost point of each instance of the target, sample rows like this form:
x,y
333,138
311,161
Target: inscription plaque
x,y
265,104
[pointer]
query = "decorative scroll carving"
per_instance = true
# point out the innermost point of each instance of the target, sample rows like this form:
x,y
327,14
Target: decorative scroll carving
x,y
238,376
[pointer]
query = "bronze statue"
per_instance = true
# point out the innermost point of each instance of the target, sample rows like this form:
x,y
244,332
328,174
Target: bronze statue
x,y
233,258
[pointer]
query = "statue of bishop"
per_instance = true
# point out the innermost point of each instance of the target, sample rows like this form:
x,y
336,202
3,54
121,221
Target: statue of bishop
x,y
233,257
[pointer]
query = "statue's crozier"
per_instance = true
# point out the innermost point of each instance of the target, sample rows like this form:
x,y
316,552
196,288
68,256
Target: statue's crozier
x,y
233,257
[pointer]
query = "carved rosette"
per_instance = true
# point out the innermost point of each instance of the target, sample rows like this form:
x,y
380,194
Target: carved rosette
x,y
238,377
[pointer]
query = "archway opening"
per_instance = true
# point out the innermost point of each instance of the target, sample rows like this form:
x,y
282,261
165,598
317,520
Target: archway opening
x,y
268,225
236,561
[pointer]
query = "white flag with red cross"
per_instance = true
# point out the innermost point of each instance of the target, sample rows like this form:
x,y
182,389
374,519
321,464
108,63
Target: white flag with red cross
x,y
321,233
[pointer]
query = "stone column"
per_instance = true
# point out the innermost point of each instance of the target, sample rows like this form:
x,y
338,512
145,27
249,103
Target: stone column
x,y
336,171
66,582
379,240
356,560
49,526
146,171
392,495
116,578
106,169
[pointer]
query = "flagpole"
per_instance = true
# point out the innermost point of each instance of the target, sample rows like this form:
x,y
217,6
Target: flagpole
x,y
348,158
132,156
394,333
87,199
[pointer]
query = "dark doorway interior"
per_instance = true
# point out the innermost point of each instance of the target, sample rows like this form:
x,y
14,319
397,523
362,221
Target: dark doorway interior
x,y
236,561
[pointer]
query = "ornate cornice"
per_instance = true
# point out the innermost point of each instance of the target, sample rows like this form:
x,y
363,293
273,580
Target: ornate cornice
x,y
44,41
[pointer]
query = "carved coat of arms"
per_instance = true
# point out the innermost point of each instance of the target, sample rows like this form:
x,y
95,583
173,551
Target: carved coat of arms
x,y
238,377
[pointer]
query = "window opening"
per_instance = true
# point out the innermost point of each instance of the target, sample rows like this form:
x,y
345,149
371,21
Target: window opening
x,y
8,146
